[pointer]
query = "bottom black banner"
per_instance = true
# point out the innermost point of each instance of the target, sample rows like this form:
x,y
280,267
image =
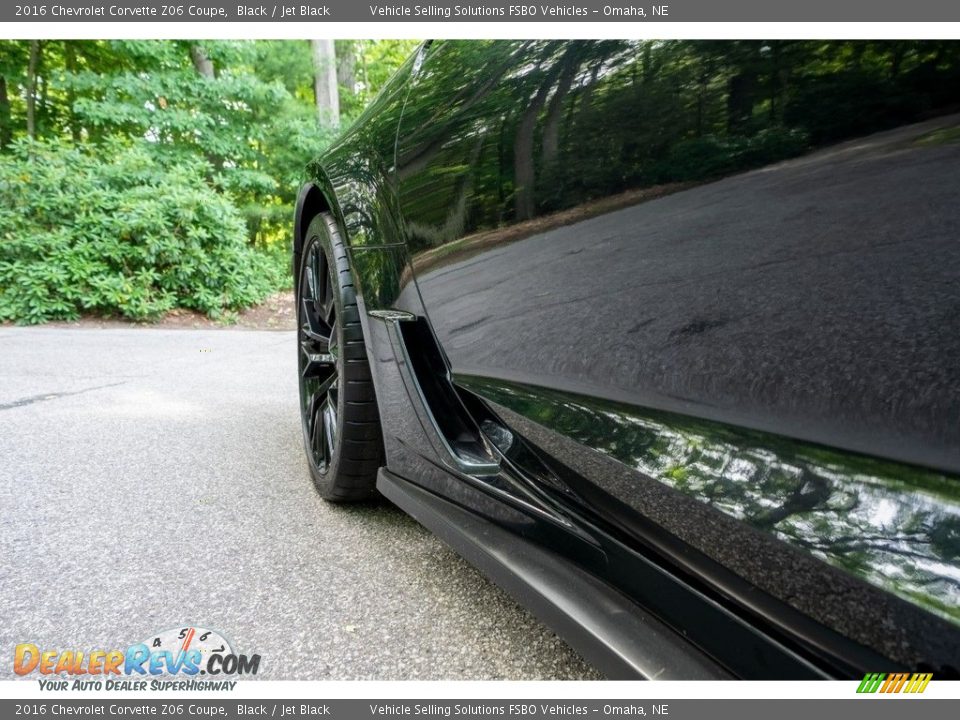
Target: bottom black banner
x,y
872,707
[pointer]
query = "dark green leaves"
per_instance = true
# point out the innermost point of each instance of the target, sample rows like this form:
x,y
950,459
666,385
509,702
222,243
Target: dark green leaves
x,y
130,237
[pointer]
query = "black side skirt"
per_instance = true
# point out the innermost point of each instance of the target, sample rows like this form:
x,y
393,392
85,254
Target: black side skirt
x,y
607,629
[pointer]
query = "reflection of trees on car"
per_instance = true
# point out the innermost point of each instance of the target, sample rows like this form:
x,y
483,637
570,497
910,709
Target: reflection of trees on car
x,y
895,527
584,120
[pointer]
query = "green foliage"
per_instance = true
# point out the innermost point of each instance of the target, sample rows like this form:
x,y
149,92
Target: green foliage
x,y
130,237
695,110
712,156
377,60
154,182
255,132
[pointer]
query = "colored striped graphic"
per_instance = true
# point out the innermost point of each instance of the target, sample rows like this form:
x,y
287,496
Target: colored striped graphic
x,y
894,682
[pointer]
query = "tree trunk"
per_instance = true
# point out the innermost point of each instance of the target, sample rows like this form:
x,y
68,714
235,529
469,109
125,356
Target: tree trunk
x,y
551,126
524,169
701,102
359,52
347,67
586,97
44,87
415,158
647,60
740,94
896,60
32,66
774,81
6,129
524,172
808,495
325,82
202,63
70,61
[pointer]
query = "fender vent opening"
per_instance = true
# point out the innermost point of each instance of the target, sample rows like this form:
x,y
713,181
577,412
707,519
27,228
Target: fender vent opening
x,y
451,419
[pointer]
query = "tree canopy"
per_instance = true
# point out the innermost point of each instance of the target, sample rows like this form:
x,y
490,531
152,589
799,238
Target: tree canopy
x,y
234,122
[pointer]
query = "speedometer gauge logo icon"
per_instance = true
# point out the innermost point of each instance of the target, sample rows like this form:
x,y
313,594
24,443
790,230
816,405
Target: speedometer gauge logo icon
x,y
181,640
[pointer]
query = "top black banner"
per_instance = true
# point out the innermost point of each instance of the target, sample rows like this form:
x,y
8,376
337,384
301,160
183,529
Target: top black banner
x,y
488,11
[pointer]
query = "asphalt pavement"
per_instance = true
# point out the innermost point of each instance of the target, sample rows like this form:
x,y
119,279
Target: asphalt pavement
x,y
153,479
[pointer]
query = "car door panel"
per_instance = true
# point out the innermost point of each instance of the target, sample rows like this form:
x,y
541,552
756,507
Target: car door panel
x,y
757,356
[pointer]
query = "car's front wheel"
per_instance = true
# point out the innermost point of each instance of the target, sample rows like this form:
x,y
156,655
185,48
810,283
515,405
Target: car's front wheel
x,y
341,425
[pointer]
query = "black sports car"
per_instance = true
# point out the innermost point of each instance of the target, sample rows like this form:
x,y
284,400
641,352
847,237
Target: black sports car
x,y
663,336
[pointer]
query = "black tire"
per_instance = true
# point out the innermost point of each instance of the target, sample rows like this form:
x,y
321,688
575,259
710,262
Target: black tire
x,y
338,408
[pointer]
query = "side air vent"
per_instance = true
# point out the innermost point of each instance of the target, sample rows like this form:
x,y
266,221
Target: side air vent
x,y
457,429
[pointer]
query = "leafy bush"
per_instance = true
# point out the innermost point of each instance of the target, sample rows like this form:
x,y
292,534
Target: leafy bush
x,y
110,231
774,144
710,156
702,157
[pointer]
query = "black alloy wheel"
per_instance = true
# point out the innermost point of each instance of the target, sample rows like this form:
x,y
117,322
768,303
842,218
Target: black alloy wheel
x,y
319,358
341,429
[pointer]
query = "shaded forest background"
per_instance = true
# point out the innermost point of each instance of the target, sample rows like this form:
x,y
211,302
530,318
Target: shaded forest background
x,y
139,176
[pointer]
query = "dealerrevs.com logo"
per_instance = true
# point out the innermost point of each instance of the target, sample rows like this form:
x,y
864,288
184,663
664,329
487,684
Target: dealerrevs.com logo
x,y
170,660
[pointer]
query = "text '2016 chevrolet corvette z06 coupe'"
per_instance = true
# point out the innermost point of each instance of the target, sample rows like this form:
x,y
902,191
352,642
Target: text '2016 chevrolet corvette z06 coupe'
x,y
663,336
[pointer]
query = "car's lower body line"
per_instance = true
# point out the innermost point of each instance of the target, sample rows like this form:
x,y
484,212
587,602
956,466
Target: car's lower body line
x,y
605,627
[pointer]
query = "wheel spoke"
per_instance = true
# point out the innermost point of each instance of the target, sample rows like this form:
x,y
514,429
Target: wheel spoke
x,y
321,287
332,407
323,389
318,438
311,280
311,411
316,389
333,348
329,425
314,328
